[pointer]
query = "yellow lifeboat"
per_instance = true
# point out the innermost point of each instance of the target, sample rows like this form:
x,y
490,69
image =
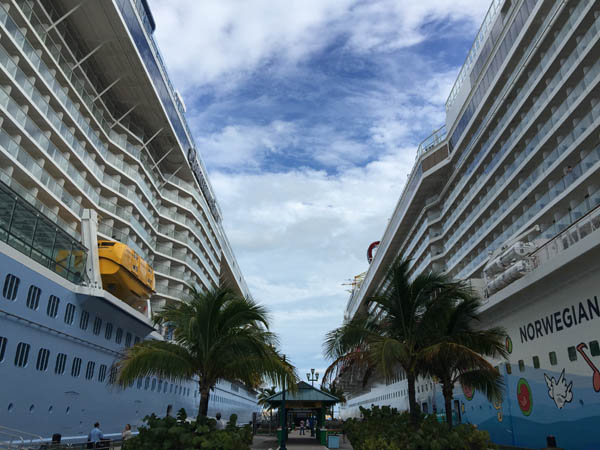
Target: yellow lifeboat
x,y
124,273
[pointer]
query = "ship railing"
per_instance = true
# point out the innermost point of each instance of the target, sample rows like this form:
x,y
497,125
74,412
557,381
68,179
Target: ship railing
x,y
578,230
24,438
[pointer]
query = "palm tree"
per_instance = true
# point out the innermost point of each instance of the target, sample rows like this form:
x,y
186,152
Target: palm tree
x,y
264,394
217,335
336,391
393,328
459,354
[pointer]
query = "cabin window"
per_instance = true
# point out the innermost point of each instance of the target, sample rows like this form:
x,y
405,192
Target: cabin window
x,y
147,383
22,354
536,362
165,387
69,313
572,353
11,286
84,319
108,331
112,375
521,365
153,384
553,359
508,368
160,382
97,325
102,373
139,383
119,336
33,297
89,370
136,340
2,347
594,348
52,308
128,340
76,367
42,359
61,362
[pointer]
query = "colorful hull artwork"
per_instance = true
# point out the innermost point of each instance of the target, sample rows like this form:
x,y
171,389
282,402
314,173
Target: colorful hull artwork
x,y
539,403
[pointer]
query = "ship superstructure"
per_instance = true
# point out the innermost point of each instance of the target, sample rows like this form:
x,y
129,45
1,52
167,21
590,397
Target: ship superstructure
x,y
94,144
506,195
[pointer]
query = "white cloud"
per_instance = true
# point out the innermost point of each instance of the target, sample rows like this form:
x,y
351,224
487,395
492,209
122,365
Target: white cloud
x,y
298,232
223,42
299,235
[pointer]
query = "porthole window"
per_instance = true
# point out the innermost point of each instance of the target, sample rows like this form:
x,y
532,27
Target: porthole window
x,y
33,297
89,370
108,331
42,359
521,365
52,309
76,367
69,313
594,348
553,359
61,362
128,340
97,325
536,362
572,353
119,336
11,286
102,373
84,319
22,354
2,348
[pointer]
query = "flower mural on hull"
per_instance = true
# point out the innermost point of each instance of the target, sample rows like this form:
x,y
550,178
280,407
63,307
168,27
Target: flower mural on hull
x,y
524,397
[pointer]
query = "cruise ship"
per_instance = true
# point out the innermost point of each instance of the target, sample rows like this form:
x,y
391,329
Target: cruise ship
x,y
106,215
506,195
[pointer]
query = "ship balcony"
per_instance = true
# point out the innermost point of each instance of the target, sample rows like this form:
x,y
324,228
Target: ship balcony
x,y
508,111
118,139
29,231
560,127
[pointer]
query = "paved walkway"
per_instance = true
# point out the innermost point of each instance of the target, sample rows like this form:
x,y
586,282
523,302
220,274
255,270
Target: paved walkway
x,y
295,442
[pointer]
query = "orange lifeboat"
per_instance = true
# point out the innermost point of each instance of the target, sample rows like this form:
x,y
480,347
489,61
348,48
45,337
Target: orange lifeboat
x,y
124,273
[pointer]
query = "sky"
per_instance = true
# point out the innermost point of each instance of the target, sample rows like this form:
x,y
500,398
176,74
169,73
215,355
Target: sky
x,y
308,114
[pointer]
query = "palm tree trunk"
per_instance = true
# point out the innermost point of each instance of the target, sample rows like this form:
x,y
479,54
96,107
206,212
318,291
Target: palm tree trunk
x,y
447,389
412,398
204,397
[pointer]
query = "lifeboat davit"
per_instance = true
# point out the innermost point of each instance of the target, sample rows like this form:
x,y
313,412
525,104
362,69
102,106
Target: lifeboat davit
x,y
124,273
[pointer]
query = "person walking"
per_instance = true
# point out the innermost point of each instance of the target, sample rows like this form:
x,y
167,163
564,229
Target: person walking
x,y
220,423
126,433
302,427
95,436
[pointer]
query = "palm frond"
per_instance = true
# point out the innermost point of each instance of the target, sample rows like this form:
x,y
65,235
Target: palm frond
x,y
162,359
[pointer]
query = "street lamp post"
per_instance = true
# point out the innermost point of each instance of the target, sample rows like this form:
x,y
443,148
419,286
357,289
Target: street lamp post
x,y
312,377
284,424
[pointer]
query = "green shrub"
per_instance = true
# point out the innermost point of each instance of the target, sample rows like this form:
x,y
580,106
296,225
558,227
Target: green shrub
x,y
387,429
170,433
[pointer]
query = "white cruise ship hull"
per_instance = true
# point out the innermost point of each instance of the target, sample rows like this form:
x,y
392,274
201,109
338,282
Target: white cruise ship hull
x,y
44,398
